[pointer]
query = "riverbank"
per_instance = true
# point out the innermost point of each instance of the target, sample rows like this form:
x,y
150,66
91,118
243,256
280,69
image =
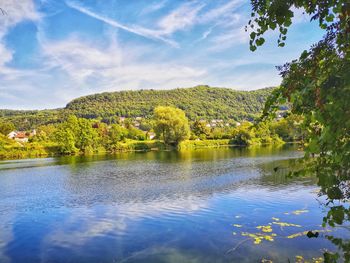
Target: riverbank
x,y
37,150
195,197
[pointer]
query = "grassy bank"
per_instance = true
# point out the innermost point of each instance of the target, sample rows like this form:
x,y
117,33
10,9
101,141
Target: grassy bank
x,y
29,150
194,144
36,150
134,145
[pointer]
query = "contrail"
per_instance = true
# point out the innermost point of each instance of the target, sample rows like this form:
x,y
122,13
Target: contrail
x,y
144,32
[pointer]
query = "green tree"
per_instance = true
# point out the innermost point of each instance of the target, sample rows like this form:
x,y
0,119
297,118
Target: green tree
x,y
289,128
171,124
317,86
44,133
6,127
200,129
136,134
79,133
2,142
66,141
243,134
87,136
117,133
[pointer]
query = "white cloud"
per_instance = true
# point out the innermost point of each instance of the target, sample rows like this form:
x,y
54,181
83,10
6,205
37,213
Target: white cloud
x,y
154,7
94,69
144,32
77,65
92,226
221,11
16,11
228,39
179,19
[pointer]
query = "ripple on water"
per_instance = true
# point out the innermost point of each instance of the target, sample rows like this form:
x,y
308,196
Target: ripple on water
x,y
165,207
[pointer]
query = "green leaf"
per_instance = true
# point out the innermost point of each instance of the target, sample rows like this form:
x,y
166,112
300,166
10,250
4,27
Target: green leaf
x,y
252,48
260,41
304,55
330,18
252,35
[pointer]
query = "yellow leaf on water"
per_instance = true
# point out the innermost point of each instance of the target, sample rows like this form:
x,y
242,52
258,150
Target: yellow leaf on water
x,y
304,233
299,259
283,224
298,234
237,225
268,238
275,219
317,260
298,212
258,237
257,241
265,229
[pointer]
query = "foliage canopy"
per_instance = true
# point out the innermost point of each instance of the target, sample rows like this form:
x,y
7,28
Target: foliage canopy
x,y
317,86
171,124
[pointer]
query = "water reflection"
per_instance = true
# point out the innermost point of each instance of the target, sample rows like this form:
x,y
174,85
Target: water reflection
x,y
156,207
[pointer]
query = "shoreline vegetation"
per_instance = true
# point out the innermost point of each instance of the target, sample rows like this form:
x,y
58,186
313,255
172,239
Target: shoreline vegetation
x,y
44,151
167,128
200,102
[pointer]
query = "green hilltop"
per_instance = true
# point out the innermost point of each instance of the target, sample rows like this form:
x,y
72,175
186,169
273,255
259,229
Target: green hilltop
x,y
200,102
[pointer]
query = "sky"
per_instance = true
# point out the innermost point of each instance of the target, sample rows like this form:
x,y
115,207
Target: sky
x,y
52,51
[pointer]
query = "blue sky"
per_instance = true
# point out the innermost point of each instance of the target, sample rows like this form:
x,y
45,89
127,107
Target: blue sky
x,y
53,51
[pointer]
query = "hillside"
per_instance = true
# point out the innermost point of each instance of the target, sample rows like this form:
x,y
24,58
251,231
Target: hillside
x,y
201,101
198,102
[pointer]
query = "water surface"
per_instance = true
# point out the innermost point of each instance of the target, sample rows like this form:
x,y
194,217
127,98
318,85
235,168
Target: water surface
x,y
189,206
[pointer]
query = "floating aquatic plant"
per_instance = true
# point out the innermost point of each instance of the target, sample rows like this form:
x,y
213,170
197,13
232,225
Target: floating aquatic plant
x,y
258,237
297,212
301,259
283,224
304,233
267,233
265,229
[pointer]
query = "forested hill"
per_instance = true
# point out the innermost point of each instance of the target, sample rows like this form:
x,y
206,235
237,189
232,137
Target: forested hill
x,y
198,102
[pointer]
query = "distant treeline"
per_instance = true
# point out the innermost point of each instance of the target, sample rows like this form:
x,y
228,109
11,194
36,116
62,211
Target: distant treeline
x,y
168,128
201,102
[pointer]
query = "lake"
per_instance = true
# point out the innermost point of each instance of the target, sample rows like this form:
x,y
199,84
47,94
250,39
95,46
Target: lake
x,y
210,205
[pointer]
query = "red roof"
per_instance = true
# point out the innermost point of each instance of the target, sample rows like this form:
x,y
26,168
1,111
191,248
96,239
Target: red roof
x,y
20,135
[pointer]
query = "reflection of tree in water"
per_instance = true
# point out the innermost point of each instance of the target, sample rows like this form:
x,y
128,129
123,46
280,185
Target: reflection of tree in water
x,y
334,193
335,185
316,86
334,196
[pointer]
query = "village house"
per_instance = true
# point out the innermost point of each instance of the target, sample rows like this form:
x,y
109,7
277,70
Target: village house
x,y
21,136
151,135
